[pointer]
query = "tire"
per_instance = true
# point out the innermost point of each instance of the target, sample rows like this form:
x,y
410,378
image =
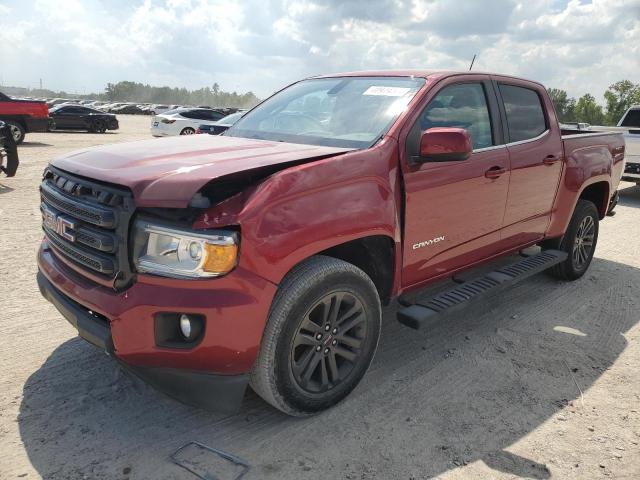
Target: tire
x,y
98,126
584,225
187,131
281,376
17,131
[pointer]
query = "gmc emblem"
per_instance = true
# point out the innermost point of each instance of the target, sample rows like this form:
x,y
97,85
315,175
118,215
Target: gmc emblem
x,y
63,226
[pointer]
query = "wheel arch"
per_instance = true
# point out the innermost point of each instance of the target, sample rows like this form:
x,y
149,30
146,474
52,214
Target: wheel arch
x,y
374,255
598,193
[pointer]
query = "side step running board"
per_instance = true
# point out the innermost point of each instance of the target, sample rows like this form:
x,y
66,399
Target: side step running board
x,y
427,310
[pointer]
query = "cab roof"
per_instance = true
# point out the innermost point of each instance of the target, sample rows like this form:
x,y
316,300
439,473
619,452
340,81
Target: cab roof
x,y
431,74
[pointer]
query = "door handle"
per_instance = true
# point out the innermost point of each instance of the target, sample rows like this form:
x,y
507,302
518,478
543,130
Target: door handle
x,y
550,159
495,172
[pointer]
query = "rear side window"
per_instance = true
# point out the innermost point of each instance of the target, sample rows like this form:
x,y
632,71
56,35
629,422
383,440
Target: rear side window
x,y
462,106
198,114
632,119
525,116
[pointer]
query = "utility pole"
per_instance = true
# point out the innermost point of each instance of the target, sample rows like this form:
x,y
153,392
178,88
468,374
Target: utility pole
x,y
40,84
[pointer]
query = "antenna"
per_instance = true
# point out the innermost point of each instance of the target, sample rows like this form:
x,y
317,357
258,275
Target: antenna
x,y
472,60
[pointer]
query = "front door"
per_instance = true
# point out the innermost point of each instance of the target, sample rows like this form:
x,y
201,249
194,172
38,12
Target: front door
x,y
63,118
454,209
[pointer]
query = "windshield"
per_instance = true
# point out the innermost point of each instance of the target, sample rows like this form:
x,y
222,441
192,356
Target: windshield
x,y
231,119
351,112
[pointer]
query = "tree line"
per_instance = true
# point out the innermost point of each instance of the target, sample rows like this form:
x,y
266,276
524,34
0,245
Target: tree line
x,y
618,98
213,96
126,91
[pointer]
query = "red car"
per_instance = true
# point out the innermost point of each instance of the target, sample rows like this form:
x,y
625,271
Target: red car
x,y
263,256
23,116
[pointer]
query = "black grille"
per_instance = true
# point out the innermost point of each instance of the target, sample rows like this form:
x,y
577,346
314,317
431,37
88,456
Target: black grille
x,y
632,168
88,224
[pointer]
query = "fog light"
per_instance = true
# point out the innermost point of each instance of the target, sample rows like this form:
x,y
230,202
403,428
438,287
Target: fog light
x,y
185,326
178,330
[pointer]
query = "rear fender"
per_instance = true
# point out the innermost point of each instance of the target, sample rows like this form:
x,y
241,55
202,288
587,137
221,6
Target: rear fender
x,y
584,167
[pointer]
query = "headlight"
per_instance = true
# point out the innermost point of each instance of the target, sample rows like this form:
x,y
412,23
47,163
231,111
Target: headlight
x,y
173,252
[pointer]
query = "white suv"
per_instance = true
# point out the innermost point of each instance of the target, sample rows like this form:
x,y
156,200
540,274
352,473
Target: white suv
x,y
184,121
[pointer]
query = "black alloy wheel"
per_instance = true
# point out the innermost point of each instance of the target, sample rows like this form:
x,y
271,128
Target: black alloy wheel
x,y
583,243
327,345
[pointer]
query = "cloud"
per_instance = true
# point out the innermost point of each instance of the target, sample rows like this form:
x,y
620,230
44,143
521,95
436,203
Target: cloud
x,y
262,45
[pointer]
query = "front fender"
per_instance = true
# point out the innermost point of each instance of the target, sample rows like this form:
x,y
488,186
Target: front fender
x,y
308,208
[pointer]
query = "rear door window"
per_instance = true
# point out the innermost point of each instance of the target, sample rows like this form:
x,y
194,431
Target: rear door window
x,y
525,115
463,106
197,114
632,119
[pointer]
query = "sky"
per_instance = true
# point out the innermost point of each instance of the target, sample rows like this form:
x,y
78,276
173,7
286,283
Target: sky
x,y
262,45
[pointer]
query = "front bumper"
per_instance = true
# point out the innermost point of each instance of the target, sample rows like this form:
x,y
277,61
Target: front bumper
x,y
200,389
214,373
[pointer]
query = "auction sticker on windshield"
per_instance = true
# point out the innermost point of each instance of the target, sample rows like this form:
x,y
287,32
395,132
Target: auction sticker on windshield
x,y
387,91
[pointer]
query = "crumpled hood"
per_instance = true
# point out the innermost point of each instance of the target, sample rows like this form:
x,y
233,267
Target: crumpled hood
x,y
168,172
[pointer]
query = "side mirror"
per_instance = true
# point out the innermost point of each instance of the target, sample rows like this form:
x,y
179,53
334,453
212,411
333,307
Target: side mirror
x,y
444,144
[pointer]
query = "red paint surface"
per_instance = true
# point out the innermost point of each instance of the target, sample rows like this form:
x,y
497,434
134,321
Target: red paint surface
x,y
310,207
439,141
23,108
167,172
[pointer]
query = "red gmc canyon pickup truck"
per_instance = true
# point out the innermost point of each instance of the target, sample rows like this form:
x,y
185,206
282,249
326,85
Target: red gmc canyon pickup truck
x,y
23,116
262,257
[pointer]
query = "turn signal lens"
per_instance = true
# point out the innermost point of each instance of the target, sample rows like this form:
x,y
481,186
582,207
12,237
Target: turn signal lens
x,y
219,259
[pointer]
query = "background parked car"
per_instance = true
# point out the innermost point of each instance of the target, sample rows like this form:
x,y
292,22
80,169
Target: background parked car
x,y
160,108
185,121
128,109
222,124
23,116
78,117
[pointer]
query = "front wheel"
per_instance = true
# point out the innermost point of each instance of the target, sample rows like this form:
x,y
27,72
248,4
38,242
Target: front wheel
x,y
187,131
320,338
579,242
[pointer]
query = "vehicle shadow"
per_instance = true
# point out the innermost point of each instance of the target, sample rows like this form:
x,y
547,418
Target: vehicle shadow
x,y
630,196
33,144
108,132
432,401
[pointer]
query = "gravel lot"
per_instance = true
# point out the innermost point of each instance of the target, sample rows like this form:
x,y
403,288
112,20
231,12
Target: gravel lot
x,y
491,394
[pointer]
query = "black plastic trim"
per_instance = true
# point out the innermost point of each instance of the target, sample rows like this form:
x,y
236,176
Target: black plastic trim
x,y
94,328
427,311
219,393
95,215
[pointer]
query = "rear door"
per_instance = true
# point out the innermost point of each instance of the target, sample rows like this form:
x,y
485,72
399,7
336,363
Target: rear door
x,y
536,158
454,211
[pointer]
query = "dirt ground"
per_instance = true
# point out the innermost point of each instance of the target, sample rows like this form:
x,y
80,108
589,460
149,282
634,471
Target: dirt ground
x,y
544,383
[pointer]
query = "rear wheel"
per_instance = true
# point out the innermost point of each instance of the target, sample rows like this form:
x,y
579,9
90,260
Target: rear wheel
x,y
320,338
187,131
98,126
17,132
579,242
